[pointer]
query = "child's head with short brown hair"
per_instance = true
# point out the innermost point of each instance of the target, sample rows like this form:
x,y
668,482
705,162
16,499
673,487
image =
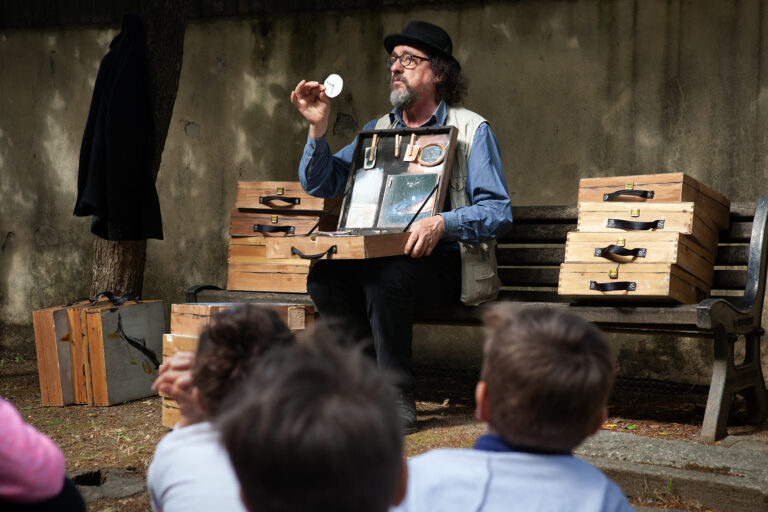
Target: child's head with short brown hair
x,y
546,377
319,431
230,345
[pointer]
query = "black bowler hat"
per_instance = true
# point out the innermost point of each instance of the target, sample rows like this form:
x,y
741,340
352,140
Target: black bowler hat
x,y
425,36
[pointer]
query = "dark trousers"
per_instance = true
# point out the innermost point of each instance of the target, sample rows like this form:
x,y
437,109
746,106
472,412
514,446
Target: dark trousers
x,y
376,299
68,500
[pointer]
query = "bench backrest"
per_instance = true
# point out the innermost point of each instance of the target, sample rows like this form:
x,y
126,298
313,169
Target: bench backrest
x,y
530,254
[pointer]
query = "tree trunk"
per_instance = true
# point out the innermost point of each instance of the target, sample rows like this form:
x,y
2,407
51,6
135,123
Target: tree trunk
x,y
118,267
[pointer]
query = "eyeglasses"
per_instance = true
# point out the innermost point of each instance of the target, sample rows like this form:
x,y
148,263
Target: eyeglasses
x,y
407,60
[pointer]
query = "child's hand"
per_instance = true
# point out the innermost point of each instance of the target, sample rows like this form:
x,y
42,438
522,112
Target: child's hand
x,y
175,381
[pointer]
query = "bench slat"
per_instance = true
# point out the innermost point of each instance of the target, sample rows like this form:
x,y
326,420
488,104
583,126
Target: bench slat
x,y
507,256
537,233
732,255
730,280
529,276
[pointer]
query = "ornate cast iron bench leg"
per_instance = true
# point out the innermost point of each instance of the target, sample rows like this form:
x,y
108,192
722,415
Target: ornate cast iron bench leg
x,y
729,378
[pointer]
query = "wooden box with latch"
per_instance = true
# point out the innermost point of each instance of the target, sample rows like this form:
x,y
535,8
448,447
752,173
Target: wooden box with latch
x,y
641,248
631,281
283,196
397,176
622,217
663,188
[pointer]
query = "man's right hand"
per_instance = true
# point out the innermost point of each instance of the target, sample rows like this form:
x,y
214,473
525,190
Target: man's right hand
x,y
310,100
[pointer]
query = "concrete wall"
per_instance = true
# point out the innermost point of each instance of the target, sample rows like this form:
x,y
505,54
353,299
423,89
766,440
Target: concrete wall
x,y
572,89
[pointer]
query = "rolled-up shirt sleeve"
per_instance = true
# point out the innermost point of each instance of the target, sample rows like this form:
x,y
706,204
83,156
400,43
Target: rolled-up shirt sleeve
x,y
490,213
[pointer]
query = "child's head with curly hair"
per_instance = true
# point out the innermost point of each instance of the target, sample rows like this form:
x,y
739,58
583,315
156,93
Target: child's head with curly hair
x,y
230,346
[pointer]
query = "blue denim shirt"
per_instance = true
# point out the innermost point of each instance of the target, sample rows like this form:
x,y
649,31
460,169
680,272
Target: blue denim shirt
x,y
489,216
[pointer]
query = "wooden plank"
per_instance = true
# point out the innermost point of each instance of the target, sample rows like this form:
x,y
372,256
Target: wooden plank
x,y
529,276
509,256
269,282
739,231
256,297
171,414
45,347
173,343
189,319
537,233
730,279
732,255
547,214
96,357
79,354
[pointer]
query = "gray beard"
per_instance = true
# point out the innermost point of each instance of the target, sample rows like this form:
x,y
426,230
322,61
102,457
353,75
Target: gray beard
x,y
402,98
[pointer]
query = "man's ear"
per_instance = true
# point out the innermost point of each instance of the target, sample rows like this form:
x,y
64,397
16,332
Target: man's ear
x,y
402,483
482,412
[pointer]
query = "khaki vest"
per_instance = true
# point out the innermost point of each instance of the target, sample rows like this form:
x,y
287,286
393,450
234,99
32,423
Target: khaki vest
x,y
479,280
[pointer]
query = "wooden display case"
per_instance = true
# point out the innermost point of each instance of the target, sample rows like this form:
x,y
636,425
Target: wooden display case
x,y
396,178
668,187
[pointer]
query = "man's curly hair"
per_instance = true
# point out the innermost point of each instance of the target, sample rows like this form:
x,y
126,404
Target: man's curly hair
x,y
452,85
230,346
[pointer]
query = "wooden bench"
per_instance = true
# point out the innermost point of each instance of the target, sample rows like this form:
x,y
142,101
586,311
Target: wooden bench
x,y
529,257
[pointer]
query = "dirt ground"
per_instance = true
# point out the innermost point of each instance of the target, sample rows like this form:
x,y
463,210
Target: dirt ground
x,y
125,436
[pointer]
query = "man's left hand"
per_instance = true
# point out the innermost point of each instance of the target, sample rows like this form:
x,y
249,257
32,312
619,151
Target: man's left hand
x,y
425,234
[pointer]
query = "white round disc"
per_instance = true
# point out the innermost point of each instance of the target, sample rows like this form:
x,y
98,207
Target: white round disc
x,y
333,85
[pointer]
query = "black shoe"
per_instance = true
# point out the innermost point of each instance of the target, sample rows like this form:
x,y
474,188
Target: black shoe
x,y
407,406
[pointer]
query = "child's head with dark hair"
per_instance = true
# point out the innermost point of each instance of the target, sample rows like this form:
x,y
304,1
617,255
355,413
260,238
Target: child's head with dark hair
x,y
320,431
546,377
229,348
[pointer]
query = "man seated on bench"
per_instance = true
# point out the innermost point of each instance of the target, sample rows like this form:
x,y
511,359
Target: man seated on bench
x,y
545,382
376,298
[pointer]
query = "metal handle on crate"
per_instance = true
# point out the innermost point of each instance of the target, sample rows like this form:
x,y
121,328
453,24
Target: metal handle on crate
x,y
330,250
116,301
629,286
645,194
268,228
604,252
635,225
290,200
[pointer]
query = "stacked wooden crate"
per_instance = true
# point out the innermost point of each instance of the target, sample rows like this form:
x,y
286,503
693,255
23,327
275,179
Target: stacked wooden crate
x,y
97,352
272,209
188,321
648,237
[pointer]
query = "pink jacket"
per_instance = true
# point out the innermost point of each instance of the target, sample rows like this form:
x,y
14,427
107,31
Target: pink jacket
x,y
31,465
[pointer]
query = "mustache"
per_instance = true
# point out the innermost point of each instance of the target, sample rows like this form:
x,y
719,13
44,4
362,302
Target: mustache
x,y
399,77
